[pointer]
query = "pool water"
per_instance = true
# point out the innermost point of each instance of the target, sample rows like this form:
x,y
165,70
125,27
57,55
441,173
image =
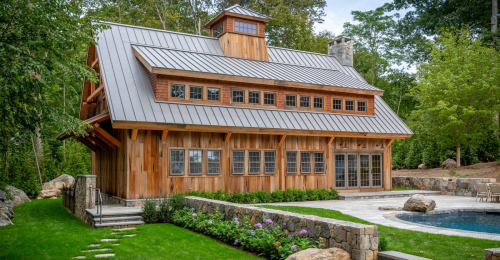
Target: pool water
x,y
472,221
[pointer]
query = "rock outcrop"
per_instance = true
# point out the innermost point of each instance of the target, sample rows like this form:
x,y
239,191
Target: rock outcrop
x,y
419,203
449,164
321,254
18,195
53,188
6,209
422,166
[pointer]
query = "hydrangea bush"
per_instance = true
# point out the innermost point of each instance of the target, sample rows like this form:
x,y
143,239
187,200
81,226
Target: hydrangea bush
x,y
261,238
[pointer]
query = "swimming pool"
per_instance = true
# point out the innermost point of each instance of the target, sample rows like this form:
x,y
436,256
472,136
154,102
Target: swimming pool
x,y
488,222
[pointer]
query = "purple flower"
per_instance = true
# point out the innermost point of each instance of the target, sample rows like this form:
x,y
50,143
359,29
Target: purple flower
x,y
192,209
258,225
194,215
252,233
235,242
294,248
236,222
269,221
303,231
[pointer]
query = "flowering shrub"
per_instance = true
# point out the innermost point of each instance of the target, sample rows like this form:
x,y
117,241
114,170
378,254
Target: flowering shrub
x,y
260,238
252,197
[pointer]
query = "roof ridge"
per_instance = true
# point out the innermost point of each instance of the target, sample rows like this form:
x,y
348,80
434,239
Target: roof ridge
x,y
154,29
211,54
244,8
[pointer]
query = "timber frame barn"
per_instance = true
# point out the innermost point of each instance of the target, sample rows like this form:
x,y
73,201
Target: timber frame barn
x,y
175,112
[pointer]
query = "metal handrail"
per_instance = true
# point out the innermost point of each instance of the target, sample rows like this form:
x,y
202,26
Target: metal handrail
x,y
99,202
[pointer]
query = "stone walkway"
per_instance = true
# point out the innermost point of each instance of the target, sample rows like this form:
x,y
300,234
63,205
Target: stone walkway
x,y
104,248
367,209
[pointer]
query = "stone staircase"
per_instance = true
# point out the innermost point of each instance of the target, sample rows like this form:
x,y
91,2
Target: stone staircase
x,y
117,219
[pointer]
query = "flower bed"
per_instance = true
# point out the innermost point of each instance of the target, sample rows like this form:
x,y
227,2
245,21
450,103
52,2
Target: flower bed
x,y
260,238
253,197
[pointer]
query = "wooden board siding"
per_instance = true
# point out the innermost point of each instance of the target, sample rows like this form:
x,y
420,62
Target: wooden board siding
x,y
162,90
141,167
112,165
244,46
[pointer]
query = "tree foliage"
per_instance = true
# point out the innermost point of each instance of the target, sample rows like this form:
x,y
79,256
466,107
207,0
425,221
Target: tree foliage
x,y
458,90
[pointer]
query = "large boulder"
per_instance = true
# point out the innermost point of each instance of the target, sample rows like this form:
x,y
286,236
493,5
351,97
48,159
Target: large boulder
x,y
419,203
449,164
6,209
53,188
422,166
18,195
321,254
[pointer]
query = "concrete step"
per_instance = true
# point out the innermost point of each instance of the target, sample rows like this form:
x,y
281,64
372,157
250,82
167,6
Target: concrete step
x,y
117,224
395,255
385,194
117,219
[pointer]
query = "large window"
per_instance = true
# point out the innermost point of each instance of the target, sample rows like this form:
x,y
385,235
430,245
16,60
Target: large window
x,y
213,162
269,99
213,94
319,162
361,106
291,100
238,162
358,170
177,91
238,96
318,102
195,162
337,104
291,162
349,105
254,162
305,162
254,97
218,29
305,101
177,162
196,92
269,162
245,27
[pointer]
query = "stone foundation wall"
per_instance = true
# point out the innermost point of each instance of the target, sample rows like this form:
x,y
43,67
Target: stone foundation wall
x,y
361,241
446,185
83,200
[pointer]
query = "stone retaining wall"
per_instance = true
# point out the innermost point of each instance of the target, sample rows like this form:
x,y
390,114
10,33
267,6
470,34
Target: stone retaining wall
x,y
83,200
492,254
446,185
361,241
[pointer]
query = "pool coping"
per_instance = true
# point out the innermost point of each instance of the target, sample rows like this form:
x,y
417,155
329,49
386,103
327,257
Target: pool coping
x,y
462,233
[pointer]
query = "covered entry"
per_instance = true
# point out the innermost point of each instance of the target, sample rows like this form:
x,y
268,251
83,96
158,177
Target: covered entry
x,y
358,170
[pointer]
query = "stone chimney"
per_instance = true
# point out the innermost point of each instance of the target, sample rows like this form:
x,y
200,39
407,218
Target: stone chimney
x,y
342,49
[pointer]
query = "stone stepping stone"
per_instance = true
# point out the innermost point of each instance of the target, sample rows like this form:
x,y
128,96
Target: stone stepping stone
x,y
109,240
115,244
96,250
94,245
132,235
123,229
79,257
104,255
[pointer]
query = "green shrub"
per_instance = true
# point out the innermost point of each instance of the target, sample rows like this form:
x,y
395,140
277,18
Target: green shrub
x,y
265,239
383,242
277,196
149,212
312,194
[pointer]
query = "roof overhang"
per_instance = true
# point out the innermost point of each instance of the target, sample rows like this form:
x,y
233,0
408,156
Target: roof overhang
x,y
250,80
225,13
250,130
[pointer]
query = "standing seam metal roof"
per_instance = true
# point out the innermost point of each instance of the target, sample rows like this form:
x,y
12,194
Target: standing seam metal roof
x,y
237,9
131,98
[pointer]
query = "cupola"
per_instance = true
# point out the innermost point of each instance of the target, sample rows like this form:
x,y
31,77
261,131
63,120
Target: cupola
x,y
241,33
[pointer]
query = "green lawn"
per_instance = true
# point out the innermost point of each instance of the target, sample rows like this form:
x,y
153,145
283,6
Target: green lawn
x,y
432,246
394,188
44,229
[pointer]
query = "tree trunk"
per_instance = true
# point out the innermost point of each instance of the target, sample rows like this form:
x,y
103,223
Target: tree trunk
x,y
373,68
494,16
36,160
64,111
458,155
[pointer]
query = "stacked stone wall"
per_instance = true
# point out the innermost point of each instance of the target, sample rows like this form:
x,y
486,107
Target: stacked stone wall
x,y
446,185
361,241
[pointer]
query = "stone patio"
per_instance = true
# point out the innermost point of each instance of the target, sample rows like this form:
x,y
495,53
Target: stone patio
x,y
367,209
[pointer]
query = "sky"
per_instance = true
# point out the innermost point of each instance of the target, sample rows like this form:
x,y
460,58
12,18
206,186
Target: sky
x,y
338,12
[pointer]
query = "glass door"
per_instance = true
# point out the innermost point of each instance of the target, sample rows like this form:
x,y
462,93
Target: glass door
x,y
364,170
352,171
376,168
340,171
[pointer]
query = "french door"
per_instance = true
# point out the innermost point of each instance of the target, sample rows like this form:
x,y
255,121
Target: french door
x,y
358,170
